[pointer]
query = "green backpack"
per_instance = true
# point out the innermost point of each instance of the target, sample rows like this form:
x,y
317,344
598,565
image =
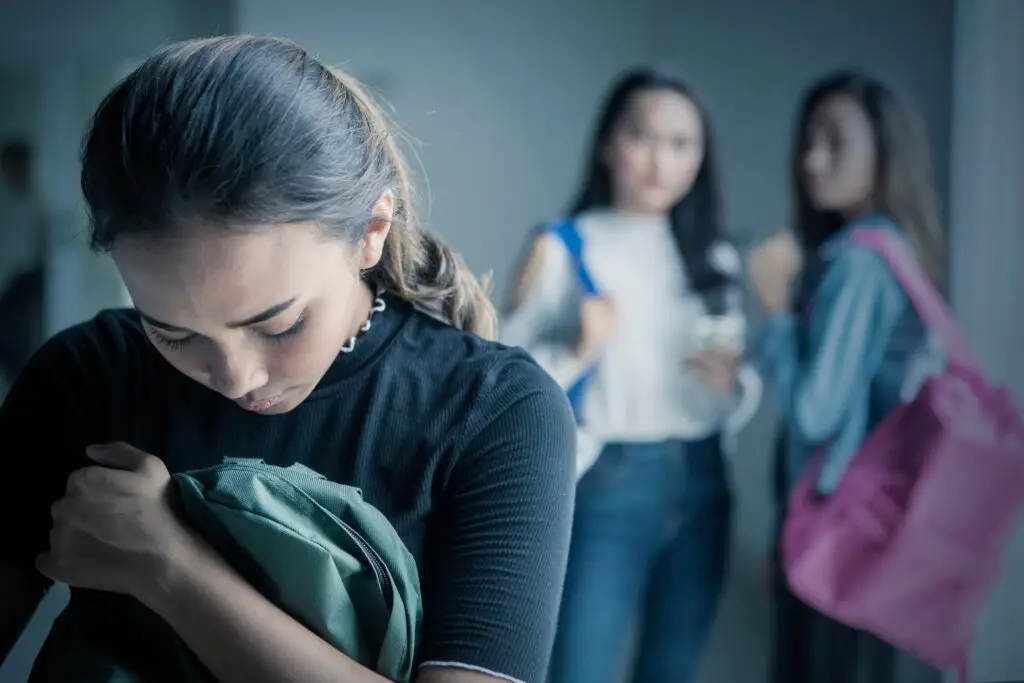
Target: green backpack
x,y
313,547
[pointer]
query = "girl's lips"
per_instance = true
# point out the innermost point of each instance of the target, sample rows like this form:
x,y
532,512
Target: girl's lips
x,y
259,406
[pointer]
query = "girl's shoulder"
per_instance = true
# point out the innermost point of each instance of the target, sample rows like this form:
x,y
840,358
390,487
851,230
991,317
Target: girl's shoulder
x,y
843,241
842,264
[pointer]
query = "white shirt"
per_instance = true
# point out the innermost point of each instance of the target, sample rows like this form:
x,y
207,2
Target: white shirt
x,y
642,389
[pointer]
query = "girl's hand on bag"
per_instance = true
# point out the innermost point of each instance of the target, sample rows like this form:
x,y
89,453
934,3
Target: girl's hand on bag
x,y
599,319
717,367
115,528
772,265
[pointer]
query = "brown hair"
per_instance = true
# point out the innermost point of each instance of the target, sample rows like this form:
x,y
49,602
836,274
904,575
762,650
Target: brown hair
x,y
905,189
250,131
416,264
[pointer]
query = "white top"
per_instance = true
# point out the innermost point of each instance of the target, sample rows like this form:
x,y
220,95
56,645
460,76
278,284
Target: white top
x,y
642,389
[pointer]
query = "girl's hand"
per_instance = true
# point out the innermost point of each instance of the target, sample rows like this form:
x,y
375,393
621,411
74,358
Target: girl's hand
x,y
717,367
772,267
599,319
115,527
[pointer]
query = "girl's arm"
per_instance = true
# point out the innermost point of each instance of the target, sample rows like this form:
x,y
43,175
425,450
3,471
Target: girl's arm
x,y
242,637
495,573
853,315
238,634
542,299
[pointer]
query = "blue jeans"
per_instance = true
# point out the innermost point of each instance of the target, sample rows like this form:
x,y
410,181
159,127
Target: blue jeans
x,y
649,550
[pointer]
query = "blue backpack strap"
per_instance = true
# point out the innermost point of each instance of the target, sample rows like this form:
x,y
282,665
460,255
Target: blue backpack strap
x,y
573,241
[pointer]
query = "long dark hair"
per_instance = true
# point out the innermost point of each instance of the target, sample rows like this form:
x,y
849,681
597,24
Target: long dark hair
x,y
904,185
243,132
695,219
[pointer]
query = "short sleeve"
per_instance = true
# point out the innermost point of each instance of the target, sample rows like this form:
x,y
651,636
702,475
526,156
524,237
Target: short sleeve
x,y
46,421
496,577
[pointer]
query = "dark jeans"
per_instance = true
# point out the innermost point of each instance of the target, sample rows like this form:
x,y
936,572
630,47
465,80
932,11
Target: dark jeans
x,y
649,551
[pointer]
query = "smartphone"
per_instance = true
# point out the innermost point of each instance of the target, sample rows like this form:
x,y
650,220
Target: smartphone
x,y
726,332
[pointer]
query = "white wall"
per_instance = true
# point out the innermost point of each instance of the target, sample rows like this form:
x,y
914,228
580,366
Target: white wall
x,y
987,247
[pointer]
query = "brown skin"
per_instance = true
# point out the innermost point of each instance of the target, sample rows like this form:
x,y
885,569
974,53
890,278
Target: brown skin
x,y
771,266
598,322
195,289
115,528
718,368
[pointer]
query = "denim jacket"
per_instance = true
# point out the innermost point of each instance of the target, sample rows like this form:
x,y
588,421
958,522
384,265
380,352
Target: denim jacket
x,y
852,350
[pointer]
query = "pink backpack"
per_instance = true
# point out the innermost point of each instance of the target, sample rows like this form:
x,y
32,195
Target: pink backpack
x,y
911,540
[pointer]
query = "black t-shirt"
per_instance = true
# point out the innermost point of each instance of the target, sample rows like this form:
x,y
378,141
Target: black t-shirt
x,y
465,445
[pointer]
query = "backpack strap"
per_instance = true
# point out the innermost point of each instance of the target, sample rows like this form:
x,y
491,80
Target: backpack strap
x,y
923,296
570,236
566,231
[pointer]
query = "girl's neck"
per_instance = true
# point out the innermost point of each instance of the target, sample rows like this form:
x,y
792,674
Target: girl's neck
x,y
860,211
637,218
627,211
361,311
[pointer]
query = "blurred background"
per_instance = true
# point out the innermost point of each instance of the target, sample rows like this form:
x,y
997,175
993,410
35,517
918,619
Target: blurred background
x,y
497,99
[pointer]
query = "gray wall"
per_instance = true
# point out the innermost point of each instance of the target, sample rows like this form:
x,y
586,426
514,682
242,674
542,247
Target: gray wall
x,y
502,95
987,245
498,94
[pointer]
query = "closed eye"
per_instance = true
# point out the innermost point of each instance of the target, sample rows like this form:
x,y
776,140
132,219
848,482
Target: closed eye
x,y
281,337
178,343
171,343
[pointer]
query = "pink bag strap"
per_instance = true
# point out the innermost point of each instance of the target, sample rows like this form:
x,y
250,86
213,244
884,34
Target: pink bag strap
x,y
928,303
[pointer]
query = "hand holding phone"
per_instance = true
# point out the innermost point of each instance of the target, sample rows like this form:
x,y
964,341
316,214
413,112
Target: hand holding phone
x,y
717,345
717,367
720,332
